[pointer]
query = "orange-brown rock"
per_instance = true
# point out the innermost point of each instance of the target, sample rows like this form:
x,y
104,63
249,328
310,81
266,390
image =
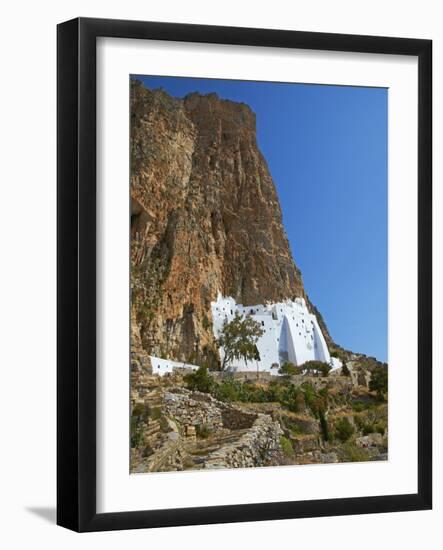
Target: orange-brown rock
x,y
205,217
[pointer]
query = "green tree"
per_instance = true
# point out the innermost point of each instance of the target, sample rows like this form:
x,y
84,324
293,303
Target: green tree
x,y
289,369
316,368
238,340
379,381
318,402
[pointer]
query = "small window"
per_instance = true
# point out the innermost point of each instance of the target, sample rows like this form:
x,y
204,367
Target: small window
x,y
262,323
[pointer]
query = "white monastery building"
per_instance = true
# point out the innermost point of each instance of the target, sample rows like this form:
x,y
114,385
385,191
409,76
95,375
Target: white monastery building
x,y
291,333
164,366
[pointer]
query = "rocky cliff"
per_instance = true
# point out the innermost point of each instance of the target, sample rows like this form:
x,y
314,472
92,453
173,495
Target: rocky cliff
x,y
205,217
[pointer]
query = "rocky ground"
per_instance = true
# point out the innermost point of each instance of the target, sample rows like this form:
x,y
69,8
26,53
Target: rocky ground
x,y
176,428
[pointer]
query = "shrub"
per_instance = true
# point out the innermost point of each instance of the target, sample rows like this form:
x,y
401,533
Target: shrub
x,y
379,381
318,402
345,371
294,399
200,380
289,369
344,429
360,406
316,368
203,431
367,428
286,446
228,390
137,434
380,428
352,453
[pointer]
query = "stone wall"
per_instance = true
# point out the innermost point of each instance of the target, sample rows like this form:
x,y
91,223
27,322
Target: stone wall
x,y
236,419
198,409
193,409
259,446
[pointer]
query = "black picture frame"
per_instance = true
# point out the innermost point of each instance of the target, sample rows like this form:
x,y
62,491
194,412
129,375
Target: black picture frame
x,y
76,266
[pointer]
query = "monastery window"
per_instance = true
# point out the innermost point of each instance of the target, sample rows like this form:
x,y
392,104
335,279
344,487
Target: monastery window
x,y
262,323
302,320
231,311
252,311
299,333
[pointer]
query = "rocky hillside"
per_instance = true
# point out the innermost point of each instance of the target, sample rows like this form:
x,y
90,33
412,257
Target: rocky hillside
x,y
182,422
205,217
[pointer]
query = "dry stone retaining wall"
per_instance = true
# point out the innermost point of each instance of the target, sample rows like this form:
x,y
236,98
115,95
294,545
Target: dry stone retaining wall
x,y
193,409
259,446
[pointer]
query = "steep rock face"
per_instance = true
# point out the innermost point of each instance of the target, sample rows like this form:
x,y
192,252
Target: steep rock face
x,y
205,217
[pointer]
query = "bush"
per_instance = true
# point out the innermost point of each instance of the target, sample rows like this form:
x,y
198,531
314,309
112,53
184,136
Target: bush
x,y
318,402
344,430
289,369
200,380
316,368
345,371
379,381
286,446
367,429
227,391
380,428
352,453
360,406
137,435
203,431
294,399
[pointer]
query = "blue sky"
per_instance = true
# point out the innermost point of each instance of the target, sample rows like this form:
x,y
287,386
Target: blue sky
x,y
326,148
